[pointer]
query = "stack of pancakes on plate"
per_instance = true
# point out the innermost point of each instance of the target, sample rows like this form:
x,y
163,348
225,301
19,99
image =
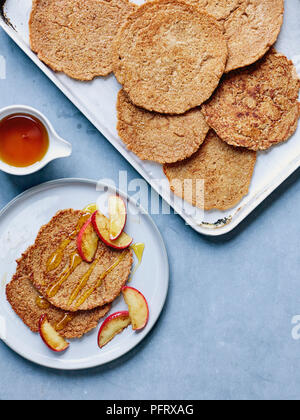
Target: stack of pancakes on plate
x,y
51,278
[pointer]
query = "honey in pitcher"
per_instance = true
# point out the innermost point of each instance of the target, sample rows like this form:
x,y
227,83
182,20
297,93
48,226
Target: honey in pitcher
x,y
24,140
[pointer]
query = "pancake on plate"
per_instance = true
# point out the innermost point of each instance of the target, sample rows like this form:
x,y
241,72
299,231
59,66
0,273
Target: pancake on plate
x,y
57,270
30,306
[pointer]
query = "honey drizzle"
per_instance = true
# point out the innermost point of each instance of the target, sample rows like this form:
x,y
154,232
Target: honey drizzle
x,y
90,208
88,293
56,258
41,302
83,281
66,319
75,260
138,249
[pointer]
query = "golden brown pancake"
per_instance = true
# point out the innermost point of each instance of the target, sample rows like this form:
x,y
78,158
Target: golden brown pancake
x,y
160,137
226,171
256,107
26,302
251,27
75,36
70,270
169,56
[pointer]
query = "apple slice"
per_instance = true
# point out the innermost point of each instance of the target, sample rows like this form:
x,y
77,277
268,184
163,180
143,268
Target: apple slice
x,y
117,216
137,307
113,325
101,226
51,337
87,242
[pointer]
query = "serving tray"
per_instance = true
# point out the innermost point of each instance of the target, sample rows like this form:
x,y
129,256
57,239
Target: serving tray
x,y
97,101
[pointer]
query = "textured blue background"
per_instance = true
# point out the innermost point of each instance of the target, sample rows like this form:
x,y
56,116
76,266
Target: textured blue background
x,y
225,332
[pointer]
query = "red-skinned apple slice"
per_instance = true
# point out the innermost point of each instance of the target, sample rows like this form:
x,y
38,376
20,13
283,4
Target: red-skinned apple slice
x,y
87,242
113,325
101,226
137,307
51,337
117,216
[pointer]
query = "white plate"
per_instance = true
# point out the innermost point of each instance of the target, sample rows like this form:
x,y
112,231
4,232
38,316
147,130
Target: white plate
x,y
97,101
20,222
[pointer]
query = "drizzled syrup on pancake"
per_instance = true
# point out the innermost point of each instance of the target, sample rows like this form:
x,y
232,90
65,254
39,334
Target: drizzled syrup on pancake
x,y
56,258
83,281
42,303
66,319
87,294
75,260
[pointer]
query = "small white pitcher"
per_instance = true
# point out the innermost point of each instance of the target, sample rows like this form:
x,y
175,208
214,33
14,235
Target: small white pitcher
x,y
58,147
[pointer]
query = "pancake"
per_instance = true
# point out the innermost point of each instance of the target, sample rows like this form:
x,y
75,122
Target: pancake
x,y
169,56
226,171
70,270
75,36
256,107
251,27
159,137
25,301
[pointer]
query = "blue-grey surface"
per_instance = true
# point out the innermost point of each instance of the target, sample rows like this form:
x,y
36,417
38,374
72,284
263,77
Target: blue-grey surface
x,y
226,330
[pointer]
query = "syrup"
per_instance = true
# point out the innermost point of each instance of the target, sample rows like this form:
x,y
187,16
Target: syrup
x,y
83,281
66,319
138,249
42,303
91,208
75,261
55,259
24,140
88,293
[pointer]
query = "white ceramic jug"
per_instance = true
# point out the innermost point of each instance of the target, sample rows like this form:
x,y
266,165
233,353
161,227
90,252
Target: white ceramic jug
x,y
58,147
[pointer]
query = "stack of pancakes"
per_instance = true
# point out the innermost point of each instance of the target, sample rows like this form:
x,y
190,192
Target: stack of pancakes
x,y
50,261
203,88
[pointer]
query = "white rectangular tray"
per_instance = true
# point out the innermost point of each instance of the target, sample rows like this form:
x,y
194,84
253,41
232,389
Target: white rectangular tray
x,y
97,101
